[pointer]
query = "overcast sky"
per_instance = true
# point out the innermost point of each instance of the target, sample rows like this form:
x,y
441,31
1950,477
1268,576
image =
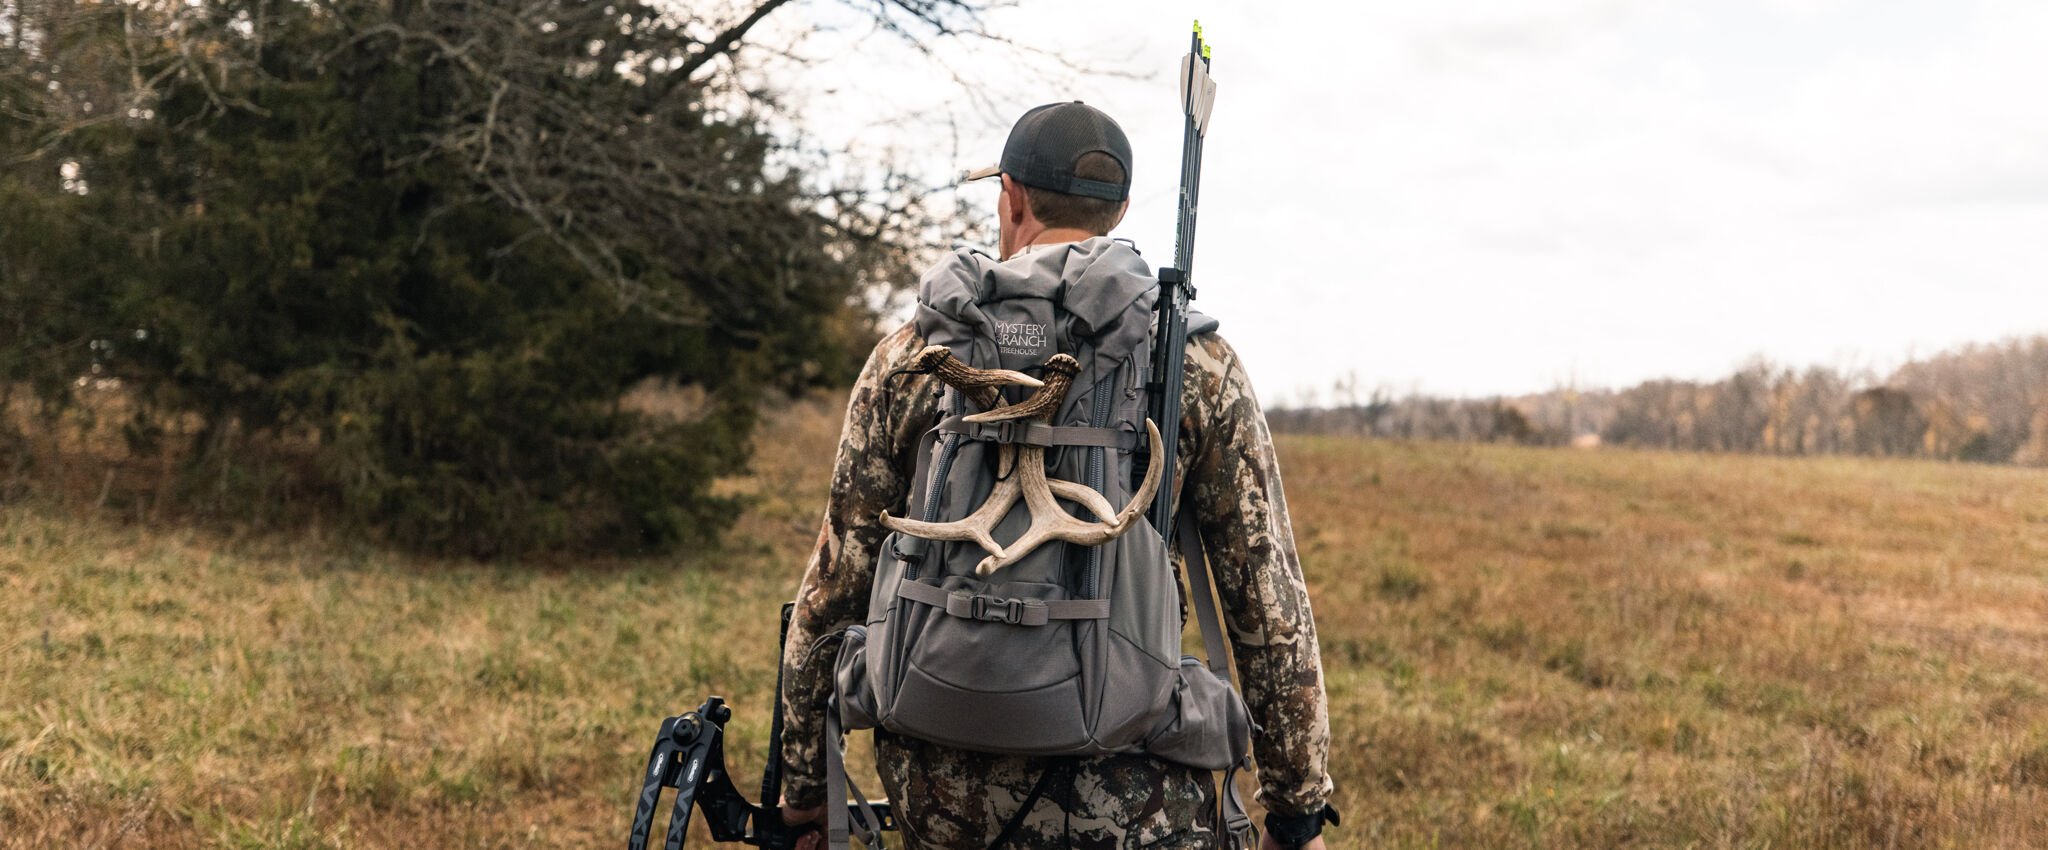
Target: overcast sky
x,y
1479,197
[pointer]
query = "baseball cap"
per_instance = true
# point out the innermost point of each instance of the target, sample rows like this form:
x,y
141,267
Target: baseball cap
x,y
1049,139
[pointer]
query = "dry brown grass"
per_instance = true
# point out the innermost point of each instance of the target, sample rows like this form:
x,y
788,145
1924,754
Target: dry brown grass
x,y
1526,648
1547,648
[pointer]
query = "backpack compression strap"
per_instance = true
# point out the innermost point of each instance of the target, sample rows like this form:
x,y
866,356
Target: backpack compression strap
x,y
1040,434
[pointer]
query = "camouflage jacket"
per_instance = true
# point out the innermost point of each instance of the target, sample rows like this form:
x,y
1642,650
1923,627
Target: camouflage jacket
x,y
1231,478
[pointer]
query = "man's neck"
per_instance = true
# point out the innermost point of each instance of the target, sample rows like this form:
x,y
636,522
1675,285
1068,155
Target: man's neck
x,y
1056,235
1053,236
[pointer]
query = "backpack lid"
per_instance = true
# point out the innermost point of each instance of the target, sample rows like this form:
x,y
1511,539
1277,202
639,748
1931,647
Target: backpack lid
x,y
1102,292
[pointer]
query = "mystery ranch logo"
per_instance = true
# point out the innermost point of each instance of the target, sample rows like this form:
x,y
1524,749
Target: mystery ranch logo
x,y
1024,338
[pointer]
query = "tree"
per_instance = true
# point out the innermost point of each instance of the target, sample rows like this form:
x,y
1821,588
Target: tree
x,y
435,243
1888,422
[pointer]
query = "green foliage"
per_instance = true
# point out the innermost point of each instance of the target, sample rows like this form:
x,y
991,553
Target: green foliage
x,y
428,248
1979,448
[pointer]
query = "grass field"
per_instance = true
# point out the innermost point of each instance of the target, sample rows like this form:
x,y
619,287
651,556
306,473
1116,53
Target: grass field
x,y
1525,648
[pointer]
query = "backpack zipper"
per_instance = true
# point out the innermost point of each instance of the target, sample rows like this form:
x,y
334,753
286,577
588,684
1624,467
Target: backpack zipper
x,y
935,489
1100,417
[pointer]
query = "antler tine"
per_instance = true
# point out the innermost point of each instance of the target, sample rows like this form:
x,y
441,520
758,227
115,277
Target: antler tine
x,y
975,527
977,384
1059,377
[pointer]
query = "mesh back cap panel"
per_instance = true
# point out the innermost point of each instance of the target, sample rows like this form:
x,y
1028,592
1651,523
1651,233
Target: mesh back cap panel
x,y
1049,139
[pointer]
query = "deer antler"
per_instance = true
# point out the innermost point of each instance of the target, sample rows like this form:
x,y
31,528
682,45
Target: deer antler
x,y
978,384
1025,465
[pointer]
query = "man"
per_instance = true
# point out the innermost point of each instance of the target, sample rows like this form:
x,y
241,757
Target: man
x,y
1229,479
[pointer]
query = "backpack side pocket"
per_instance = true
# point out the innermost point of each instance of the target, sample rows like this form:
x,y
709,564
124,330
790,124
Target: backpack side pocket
x,y
1209,727
850,679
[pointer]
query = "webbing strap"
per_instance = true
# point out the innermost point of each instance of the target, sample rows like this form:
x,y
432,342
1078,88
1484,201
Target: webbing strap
x,y
870,825
836,832
1040,434
1206,613
838,826
1016,612
1237,830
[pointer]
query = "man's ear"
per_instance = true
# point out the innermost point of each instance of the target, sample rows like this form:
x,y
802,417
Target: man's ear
x,y
1020,205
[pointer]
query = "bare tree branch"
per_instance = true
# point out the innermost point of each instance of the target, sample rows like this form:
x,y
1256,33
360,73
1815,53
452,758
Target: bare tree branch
x,y
726,41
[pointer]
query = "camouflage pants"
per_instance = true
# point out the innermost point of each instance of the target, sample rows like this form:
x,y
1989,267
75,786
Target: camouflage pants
x,y
951,798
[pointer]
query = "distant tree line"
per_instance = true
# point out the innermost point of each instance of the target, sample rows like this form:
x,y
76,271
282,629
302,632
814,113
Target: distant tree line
x,y
406,257
1980,403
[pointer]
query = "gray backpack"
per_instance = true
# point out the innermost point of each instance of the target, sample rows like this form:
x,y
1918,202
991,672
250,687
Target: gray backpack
x,y
1069,650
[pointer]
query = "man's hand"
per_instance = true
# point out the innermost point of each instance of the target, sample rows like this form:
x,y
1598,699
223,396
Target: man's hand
x,y
815,839
1267,842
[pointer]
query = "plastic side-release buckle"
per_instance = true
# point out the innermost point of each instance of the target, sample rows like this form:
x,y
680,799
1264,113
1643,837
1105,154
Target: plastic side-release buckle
x,y
1011,432
996,610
